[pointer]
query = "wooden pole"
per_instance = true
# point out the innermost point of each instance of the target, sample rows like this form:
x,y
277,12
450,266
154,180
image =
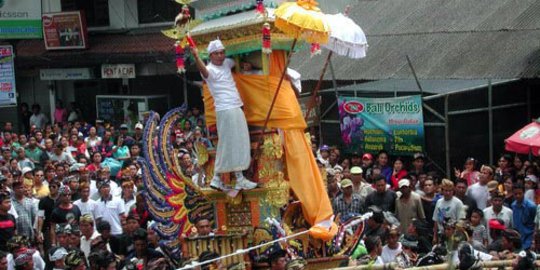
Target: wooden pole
x,y
313,100
279,85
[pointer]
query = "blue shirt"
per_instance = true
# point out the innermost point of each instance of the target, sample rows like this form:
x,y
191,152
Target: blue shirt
x,y
523,215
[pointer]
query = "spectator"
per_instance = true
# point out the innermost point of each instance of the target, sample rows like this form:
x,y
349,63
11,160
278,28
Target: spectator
x,y
360,187
418,163
45,208
60,113
93,139
38,118
449,207
33,152
498,211
398,173
85,204
382,197
110,209
347,204
39,190
65,212
392,247
524,212
86,223
8,224
26,211
469,172
59,155
479,191
408,205
461,193
382,162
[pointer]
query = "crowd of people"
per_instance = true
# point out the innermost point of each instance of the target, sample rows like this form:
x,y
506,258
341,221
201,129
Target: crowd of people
x,y
70,199
70,192
484,212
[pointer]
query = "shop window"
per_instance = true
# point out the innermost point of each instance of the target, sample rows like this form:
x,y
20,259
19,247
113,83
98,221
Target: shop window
x,y
157,11
96,11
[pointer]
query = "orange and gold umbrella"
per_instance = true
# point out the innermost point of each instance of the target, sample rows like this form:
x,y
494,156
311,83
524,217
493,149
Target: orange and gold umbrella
x,y
302,19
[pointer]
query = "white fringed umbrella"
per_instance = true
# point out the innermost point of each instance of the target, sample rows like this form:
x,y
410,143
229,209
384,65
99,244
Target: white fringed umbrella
x,y
346,37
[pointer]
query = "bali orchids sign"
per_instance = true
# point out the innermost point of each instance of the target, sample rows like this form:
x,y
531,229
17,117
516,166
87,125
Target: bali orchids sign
x,y
372,124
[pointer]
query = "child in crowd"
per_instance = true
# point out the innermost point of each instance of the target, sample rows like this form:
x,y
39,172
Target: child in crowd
x,y
479,231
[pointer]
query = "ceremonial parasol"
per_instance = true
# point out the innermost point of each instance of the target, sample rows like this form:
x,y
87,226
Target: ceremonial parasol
x,y
526,140
300,19
346,39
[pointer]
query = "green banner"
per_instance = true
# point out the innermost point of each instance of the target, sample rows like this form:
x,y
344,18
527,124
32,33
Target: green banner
x,y
369,125
20,19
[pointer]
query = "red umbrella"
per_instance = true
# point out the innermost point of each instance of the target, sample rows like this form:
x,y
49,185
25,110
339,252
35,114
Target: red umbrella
x,y
526,140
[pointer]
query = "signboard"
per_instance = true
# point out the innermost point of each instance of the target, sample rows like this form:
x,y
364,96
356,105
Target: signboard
x,y
7,77
120,71
20,19
313,118
62,74
373,124
64,31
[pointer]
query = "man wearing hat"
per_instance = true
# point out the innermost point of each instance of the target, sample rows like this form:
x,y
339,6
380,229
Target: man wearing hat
x,y
233,149
408,205
360,187
348,203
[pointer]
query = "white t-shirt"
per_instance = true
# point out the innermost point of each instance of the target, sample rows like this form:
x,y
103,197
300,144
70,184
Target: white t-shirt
x,y
86,244
388,255
480,194
222,86
88,207
452,209
110,211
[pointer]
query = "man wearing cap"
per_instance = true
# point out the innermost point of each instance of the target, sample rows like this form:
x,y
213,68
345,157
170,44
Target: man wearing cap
x,y
479,191
367,164
233,150
498,211
138,135
360,187
348,203
408,205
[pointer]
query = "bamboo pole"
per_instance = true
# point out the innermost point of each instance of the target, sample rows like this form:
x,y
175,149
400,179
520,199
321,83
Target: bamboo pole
x,y
444,266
